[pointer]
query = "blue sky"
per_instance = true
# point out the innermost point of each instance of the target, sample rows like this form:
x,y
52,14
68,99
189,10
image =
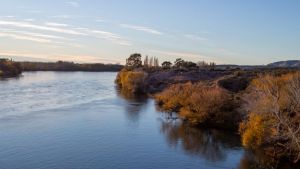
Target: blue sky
x,y
223,31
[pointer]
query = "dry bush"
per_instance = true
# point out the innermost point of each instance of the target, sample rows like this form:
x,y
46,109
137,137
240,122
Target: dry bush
x,y
274,106
199,103
132,81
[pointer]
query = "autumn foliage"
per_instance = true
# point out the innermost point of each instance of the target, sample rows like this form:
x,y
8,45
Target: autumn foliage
x,y
131,81
199,103
273,103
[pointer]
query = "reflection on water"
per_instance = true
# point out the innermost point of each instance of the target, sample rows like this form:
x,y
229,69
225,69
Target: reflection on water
x,y
76,120
208,144
135,103
213,145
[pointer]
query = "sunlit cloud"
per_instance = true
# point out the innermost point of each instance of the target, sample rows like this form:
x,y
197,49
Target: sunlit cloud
x,y
142,28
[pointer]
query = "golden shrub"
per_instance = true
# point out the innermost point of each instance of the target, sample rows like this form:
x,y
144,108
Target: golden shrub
x,y
274,103
198,103
132,81
254,131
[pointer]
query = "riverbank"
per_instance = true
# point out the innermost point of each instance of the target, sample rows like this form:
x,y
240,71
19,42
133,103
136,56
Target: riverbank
x,y
237,100
69,66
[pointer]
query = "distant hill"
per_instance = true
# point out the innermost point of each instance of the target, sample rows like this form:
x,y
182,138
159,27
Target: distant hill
x,y
288,63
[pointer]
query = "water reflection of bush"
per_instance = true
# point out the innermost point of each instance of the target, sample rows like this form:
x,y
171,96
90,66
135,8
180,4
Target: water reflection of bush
x,y
259,160
212,145
134,103
207,144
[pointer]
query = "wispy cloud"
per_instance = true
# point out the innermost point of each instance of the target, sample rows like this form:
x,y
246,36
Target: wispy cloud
x,y
33,11
40,27
142,28
29,20
112,37
34,34
195,37
57,28
62,16
73,4
9,16
24,37
56,24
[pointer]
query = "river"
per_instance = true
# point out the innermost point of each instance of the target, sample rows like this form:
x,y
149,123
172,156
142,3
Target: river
x,y
78,120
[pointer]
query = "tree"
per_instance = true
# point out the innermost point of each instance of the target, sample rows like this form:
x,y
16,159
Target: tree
x,y
189,65
156,62
179,63
212,65
146,62
166,65
202,64
151,62
134,61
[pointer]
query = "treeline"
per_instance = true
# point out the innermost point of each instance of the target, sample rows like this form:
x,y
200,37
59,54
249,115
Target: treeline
x,y
9,68
152,63
68,66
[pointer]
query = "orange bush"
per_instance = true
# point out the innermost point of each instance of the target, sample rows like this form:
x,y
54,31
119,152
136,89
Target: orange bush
x,y
198,103
132,81
274,103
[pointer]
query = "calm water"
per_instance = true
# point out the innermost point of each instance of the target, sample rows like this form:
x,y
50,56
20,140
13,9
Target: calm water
x,y
52,120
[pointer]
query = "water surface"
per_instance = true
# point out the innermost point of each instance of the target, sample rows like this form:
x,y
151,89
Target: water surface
x,y
78,120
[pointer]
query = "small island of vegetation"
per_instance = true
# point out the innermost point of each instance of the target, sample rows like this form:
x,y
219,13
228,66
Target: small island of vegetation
x,y
9,68
260,103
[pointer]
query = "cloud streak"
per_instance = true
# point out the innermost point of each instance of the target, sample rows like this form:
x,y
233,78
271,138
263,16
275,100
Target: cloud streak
x,y
23,37
40,27
142,28
66,29
73,4
195,37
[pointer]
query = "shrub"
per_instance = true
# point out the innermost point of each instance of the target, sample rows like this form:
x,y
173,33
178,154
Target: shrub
x,y
9,68
199,104
132,81
254,131
274,121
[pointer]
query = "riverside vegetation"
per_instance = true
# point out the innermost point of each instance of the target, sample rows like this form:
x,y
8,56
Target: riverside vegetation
x,y
9,68
261,104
